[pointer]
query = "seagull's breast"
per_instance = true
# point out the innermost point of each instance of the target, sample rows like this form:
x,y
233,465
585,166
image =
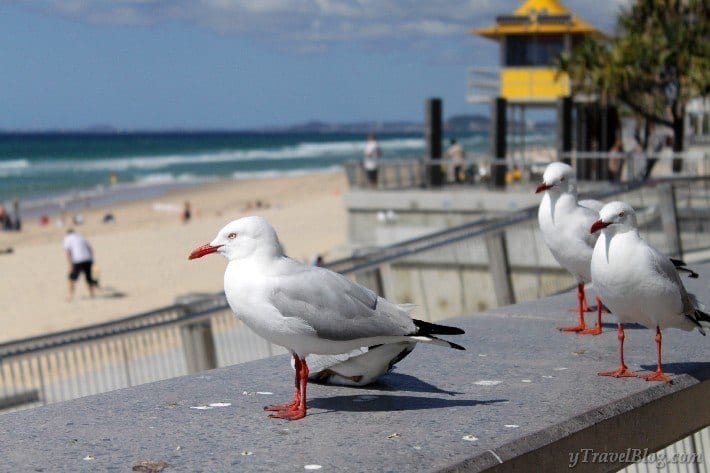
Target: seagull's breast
x,y
248,291
565,230
623,272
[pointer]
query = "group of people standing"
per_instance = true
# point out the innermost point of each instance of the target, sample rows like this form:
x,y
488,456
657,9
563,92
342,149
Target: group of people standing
x,y
373,153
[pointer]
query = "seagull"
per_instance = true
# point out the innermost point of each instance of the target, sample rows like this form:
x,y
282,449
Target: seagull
x,y
639,283
564,224
359,367
306,309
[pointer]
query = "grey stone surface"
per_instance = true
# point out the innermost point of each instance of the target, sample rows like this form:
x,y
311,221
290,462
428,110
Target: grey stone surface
x,y
521,387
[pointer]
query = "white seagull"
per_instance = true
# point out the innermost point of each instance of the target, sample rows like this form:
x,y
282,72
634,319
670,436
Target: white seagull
x,y
639,283
564,224
306,309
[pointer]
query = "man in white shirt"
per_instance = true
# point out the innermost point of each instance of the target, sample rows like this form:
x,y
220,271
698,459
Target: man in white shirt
x,y
370,160
457,155
80,259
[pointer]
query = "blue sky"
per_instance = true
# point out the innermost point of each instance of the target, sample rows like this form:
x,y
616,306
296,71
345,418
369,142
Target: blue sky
x,y
200,64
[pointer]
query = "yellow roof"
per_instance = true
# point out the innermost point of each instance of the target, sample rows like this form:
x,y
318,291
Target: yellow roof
x,y
538,17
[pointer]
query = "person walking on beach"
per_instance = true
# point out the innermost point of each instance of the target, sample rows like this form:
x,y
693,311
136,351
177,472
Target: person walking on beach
x,y
80,259
457,155
16,220
186,212
371,159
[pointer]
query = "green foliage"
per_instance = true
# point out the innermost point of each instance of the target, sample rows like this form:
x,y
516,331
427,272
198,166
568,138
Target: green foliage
x,y
657,61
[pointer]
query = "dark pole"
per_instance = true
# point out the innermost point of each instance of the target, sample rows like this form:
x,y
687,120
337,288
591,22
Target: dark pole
x,y
498,137
582,139
432,138
564,128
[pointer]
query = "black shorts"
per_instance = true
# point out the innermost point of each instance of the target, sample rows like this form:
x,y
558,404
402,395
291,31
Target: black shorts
x,y
83,267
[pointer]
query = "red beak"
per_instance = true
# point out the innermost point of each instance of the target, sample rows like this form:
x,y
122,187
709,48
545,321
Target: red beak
x,y
541,187
203,250
598,225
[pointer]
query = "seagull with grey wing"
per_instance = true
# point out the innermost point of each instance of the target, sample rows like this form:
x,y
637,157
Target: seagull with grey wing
x,y
307,309
564,224
640,284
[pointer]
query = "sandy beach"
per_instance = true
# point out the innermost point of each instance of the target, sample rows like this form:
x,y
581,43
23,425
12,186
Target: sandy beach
x,y
142,256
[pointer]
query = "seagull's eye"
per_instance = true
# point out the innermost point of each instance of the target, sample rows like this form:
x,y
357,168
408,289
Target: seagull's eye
x,y
232,236
622,213
562,179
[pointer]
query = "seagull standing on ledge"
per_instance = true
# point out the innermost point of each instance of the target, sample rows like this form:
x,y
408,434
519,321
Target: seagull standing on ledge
x,y
639,283
306,309
564,224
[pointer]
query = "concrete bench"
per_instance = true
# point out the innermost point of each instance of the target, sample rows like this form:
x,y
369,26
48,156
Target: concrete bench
x,y
523,397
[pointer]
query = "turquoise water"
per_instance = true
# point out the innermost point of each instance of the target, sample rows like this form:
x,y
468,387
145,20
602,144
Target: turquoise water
x,y
56,166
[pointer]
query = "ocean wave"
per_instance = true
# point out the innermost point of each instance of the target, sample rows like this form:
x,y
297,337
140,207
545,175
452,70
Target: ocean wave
x,y
306,150
13,167
241,176
169,178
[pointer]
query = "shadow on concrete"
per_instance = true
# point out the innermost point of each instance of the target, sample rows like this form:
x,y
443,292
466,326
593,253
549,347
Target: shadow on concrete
x,y
406,382
699,370
397,382
387,403
635,327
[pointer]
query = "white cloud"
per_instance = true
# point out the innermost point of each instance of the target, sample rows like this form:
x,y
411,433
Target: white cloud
x,y
312,26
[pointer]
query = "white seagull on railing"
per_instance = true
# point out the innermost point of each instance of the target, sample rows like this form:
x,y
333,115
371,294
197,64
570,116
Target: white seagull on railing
x,y
564,224
639,283
307,309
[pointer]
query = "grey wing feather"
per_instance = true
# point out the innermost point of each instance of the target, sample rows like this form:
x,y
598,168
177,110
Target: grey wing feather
x,y
664,266
591,215
592,204
337,308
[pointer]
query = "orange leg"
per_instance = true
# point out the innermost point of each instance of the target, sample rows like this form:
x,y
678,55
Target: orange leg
x,y
296,394
585,306
582,302
598,329
657,375
298,410
623,371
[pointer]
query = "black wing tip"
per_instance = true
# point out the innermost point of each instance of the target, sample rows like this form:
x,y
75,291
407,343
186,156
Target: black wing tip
x,y
700,316
455,346
680,266
428,328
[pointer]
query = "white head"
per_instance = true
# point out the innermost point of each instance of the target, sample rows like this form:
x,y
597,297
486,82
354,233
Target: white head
x,y
243,238
616,217
558,178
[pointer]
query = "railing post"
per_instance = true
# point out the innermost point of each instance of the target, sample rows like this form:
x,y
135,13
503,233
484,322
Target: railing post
x,y
669,219
564,129
498,149
432,139
500,268
198,342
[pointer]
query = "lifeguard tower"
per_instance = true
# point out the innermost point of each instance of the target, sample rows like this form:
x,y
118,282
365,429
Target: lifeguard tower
x,y
530,39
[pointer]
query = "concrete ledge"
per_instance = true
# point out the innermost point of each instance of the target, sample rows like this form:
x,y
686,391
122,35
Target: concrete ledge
x,y
527,393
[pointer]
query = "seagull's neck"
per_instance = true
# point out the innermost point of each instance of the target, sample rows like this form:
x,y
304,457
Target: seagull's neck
x,y
258,261
627,233
562,200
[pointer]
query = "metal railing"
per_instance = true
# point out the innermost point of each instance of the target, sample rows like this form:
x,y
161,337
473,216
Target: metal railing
x,y
169,342
420,173
459,270
437,271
